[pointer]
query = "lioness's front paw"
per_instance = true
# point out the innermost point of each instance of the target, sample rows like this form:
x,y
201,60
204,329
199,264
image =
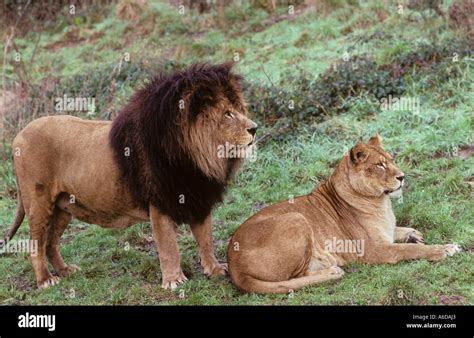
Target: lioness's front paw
x,y
172,282
451,249
414,236
444,251
46,283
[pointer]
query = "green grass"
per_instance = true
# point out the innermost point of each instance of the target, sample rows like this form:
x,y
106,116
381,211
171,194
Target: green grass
x,y
122,267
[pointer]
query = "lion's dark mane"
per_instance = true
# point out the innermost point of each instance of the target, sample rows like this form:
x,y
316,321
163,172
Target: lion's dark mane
x,y
159,171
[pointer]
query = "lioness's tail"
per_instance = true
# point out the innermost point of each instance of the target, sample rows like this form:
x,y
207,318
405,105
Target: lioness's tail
x,y
250,284
19,217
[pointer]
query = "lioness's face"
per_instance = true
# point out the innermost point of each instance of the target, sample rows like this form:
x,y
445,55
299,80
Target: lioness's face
x,y
372,170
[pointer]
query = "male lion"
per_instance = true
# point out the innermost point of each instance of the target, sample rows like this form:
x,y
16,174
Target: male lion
x,y
158,161
292,244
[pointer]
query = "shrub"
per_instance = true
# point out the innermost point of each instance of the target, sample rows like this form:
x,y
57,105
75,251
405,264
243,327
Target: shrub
x,y
350,81
106,85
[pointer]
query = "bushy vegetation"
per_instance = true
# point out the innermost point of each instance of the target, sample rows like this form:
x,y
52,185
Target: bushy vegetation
x,y
358,78
314,81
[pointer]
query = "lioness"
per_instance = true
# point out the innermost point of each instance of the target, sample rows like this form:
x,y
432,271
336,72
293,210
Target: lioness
x,y
158,160
347,218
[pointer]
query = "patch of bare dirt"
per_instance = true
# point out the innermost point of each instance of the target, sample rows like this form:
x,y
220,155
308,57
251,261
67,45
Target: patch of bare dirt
x,y
9,99
23,284
74,37
461,13
270,22
466,152
130,9
463,152
452,299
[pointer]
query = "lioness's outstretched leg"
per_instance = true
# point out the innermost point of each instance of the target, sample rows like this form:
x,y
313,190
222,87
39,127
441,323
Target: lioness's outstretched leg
x,y
164,234
394,253
203,234
408,235
58,224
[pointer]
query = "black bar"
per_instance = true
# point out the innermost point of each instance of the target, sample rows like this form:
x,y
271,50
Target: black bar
x,y
317,321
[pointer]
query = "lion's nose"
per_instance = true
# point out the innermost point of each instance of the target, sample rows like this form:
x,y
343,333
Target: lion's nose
x,y
401,177
252,130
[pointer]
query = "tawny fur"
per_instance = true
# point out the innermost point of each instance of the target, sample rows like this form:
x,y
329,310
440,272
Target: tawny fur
x,y
67,167
284,247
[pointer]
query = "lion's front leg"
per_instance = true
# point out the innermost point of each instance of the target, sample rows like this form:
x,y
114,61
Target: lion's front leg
x,y
408,235
164,234
203,234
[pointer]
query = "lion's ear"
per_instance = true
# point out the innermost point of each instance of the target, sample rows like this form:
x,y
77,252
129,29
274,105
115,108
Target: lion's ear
x,y
200,97
375,140
359,153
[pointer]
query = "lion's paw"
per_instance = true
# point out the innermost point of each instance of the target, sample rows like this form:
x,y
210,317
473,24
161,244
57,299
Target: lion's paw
x,y
173,282
46,283
68,270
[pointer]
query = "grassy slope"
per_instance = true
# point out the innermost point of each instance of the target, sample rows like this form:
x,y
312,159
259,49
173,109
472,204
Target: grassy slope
x,y
437,201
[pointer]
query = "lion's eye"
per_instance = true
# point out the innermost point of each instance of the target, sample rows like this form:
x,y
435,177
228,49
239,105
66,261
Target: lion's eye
x,y
229,115
380,166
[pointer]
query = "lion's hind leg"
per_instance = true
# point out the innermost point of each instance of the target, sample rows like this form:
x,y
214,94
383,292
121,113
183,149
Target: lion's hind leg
x,y
39,217
58,224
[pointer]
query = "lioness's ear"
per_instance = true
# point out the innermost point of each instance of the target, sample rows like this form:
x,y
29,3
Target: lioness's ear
x,y
375,140
359,153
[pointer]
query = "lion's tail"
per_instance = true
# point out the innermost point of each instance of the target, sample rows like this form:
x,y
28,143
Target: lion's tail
x,y
19,217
